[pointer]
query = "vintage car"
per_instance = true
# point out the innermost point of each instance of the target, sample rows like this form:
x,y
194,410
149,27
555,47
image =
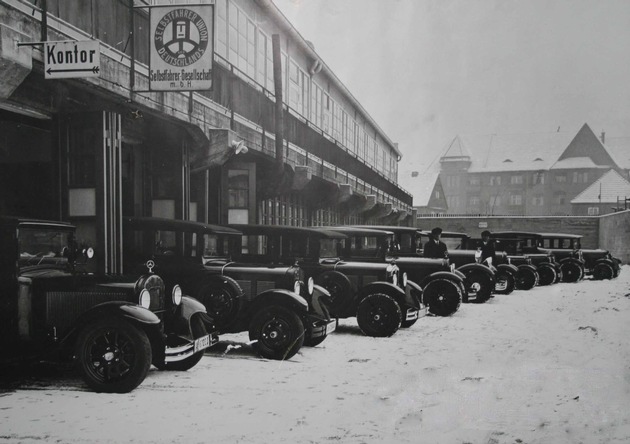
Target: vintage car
x,y
443,288
276,304
598,263
114,327
506,274
380,299
551,267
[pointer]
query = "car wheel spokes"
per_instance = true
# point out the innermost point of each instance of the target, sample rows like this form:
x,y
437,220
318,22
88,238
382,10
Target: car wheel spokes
x,y
110,354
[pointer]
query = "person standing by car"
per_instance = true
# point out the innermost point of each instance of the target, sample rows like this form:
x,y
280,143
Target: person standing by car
x,y
435,248
487,248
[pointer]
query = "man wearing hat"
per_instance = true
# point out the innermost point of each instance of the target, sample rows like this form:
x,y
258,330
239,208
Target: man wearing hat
x,y
435,248
487,248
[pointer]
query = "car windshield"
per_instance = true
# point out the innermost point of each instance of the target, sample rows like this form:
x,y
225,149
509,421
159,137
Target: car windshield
x,y
329,248
214,246
452,243
43,246
369,246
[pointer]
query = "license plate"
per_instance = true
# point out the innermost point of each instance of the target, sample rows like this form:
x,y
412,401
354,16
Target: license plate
x,y
331,327
202,343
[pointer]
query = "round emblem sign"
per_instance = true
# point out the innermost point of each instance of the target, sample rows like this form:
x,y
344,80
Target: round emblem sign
x,y
181,37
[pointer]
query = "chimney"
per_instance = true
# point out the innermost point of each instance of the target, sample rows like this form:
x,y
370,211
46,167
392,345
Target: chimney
x,y
603,137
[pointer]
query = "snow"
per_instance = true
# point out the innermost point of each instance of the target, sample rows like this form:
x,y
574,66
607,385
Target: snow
x,y
551,365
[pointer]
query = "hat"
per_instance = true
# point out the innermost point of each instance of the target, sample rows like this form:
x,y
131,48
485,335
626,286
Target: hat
x,y
436,230
485,233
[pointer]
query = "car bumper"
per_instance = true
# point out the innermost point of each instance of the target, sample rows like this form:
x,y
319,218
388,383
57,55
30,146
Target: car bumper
x,y
322,327
181,352
415,313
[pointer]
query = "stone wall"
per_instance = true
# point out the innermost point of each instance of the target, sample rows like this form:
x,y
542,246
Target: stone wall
x,y
614,234
587,226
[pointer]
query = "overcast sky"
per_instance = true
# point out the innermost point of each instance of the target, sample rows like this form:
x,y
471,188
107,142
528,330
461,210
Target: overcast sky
x,y
428,70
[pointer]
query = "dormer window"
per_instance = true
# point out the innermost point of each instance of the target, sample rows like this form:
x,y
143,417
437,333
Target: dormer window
x,y
537,159
507,160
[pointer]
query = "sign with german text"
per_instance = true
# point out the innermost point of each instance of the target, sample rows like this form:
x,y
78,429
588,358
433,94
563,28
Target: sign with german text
x,y
181,47
71,59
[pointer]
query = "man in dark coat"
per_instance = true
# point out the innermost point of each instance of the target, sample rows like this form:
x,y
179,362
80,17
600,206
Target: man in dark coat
x,y
435,248
487,248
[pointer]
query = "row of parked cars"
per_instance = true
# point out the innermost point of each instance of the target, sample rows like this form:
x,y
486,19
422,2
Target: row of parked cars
x,y
185,283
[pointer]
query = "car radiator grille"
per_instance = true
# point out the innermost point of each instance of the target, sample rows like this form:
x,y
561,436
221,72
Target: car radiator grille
x,y
64,308
264,286
368,279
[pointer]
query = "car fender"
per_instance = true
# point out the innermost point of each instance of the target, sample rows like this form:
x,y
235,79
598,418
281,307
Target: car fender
x,y
278,296
605,261
513,269
179,321
135,314
573,260
444,275
386,288
413,294
476,267
527,267
217,279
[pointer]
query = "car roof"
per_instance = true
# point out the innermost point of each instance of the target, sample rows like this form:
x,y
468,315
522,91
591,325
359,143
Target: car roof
x,y
450,234
560,235
177,225
14,221
360,231
286,229
393,229
514,234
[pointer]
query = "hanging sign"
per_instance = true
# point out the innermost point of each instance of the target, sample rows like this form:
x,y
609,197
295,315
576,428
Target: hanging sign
x,y
71,59
181,47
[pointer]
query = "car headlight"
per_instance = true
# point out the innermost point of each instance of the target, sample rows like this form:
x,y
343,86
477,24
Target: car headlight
x,y
395,279
297,287
452,267
509,260
404,279
177,295
310,285
145,298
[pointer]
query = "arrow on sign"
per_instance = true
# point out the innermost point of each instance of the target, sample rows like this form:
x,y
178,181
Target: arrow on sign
x,y
95,70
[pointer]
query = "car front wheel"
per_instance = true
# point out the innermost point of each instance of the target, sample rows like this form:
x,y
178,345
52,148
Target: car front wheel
x,y
547,274
526,279
480,285
505,282
379,315
572,272
113,356
442,296
603,271
278,332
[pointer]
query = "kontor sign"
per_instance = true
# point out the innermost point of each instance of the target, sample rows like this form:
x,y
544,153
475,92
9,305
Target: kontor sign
x,y
182,47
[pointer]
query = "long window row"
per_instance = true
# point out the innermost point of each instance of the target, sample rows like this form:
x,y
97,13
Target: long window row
x,y
249,48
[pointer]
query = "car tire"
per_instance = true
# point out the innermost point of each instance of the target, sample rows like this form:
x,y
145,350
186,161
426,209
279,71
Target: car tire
x,y
100,349
479,284
442,296
198,330
526,278
340,289
603,271
222,303
572,272
278,332
547,274
379,315
505,282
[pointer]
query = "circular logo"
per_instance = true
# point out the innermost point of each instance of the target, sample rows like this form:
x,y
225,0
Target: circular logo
x,y
181,37
150,265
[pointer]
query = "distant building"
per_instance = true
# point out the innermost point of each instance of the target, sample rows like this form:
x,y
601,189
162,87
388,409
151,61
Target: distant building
x,y
428,193
522,174
606,195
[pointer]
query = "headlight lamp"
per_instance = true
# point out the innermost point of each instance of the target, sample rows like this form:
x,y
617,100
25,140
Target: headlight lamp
x,y
297,287
177,295
404,279
310,285
145,298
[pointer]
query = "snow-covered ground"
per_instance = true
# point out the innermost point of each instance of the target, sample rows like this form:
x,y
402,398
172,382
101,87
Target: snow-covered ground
x,y
551,365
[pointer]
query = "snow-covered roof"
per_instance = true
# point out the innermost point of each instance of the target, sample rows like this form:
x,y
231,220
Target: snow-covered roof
x,y
606,189
422,186
510,152
575,163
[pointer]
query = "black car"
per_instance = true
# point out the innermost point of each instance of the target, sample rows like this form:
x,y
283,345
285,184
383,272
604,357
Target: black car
x,y
114,327
443,288
551,267
598,263
276,304
374,293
